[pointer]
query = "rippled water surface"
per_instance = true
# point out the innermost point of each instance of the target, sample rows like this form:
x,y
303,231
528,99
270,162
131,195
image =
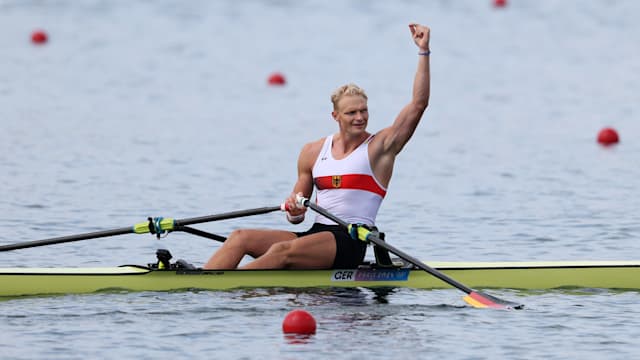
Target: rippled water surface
x,y
137,108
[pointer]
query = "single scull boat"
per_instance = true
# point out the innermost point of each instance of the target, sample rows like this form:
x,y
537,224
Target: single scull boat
x,y
510,275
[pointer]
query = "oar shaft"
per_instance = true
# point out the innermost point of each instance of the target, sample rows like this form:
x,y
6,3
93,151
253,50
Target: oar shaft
x,y
420,264
475,298
199,232
229,215
142,228
376,240
326,214
64,239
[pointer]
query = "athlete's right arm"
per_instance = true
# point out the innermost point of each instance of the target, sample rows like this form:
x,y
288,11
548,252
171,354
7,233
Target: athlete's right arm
x,y
304,184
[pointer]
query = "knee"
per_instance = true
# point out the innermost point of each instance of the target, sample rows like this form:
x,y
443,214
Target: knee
x,y
283,251
281,247
237,234
237,237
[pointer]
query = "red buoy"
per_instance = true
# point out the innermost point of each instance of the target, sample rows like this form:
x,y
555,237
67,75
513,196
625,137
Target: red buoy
x,y
608,136
39,37
499,3
277,79
299,322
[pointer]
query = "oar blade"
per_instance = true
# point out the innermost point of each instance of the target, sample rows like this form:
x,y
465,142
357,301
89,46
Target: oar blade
x,y
478,299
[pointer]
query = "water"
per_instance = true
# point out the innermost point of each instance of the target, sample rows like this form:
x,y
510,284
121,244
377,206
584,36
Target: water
x,y
137,109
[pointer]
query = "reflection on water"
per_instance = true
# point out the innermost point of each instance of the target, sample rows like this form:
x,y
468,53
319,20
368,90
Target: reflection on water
x,y
346,296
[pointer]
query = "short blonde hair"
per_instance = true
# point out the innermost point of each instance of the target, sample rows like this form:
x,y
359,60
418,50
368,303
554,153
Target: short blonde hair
x,y
348,89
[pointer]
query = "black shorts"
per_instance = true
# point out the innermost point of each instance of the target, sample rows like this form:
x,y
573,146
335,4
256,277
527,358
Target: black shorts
x,y
349,252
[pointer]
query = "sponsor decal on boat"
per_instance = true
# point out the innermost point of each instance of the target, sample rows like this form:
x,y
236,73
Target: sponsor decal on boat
x,y
370,275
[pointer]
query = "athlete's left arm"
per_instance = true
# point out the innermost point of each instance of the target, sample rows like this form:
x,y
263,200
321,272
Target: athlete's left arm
x,y
398,134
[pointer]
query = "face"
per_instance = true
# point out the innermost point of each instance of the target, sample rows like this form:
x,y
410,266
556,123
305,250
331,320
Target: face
x,y
352,114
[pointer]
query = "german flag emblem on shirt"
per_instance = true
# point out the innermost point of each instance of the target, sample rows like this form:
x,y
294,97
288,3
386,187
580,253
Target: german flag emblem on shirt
x,y
336,181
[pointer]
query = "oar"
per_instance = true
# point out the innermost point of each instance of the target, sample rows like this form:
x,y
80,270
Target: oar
x,y
154,226
202,233
474,298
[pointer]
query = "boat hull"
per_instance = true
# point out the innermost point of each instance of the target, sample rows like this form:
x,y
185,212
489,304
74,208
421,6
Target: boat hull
x,y
478,275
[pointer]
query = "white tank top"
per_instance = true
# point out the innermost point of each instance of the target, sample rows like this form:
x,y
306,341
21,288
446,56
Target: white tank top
x,y
347,188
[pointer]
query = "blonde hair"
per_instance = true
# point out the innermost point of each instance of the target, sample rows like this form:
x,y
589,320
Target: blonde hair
x,y
348,89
